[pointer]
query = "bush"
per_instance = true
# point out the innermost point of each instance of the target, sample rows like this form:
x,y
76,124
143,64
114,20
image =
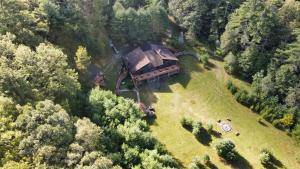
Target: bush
x,y
231,63
242,96
265,157
204,59
296,133
206,159
186,123
231,87
225,149
196,163
210,128
197,128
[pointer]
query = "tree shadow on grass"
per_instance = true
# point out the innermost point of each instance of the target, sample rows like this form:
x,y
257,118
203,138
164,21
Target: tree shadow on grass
x,y
263,123
216,134
209,66
151,120
275,164
211,165
241,163
204,137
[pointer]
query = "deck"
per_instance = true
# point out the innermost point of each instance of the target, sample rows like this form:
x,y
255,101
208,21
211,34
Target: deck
x,y
157,73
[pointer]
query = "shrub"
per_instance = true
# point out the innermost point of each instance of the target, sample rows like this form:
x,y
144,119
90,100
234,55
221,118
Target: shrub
x,y
206,159
288,120
231,63
265,157
196,163
186,123
219,52
210,128
231,87
296,133
204,59
225,149
197,128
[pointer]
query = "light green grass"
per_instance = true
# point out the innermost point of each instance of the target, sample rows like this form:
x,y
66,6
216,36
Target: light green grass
x,y
202,95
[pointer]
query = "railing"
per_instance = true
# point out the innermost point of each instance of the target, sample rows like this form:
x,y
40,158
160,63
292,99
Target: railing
x,y
153,74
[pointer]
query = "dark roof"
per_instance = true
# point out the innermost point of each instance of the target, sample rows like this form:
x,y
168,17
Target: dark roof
x,y
152,54
94,71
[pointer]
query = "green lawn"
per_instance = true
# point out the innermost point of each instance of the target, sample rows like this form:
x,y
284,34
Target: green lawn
x,y
201,94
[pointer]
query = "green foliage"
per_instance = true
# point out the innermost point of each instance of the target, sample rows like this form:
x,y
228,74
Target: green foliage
x,y
296,133
45,135
138,25
204,59
206,159
231,63
252,34
186,123
26,19
125,131
202,18
27,75
197,126
278,89
44,139
83,60
225,149
196,163
266,157
210,128
231,87
10,137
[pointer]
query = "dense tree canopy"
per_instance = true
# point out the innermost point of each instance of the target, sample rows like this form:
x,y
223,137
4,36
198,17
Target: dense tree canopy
x,y
131,25
26,19
128,137
203,18
28,75
252,35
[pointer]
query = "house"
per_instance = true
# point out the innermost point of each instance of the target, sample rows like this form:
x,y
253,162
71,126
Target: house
x,y
96,76
150,63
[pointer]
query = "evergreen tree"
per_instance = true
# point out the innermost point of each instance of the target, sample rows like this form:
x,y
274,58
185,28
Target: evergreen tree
x,y
83,60
253,33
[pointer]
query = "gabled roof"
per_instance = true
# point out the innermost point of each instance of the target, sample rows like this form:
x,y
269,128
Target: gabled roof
x,y
165,53
138,58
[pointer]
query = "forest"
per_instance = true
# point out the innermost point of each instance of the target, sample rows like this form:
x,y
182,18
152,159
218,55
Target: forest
x,y
51,117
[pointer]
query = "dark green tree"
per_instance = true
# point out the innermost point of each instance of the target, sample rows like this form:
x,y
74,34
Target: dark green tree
x,y
252,35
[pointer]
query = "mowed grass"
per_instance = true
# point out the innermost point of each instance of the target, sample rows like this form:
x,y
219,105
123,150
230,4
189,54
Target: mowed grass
x,y
202,95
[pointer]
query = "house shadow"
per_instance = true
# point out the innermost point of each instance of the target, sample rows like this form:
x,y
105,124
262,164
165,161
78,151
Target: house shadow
x,y
204,137
188,65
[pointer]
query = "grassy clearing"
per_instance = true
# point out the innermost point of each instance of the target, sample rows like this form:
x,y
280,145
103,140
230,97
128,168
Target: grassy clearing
x,y
202,95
